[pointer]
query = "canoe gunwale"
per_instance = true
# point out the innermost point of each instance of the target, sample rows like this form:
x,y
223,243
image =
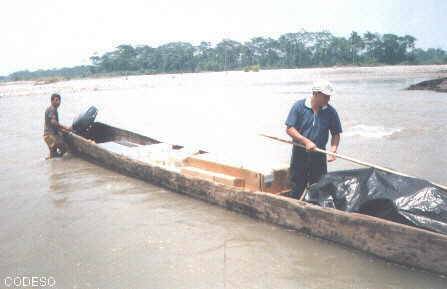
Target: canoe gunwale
x,y
394,242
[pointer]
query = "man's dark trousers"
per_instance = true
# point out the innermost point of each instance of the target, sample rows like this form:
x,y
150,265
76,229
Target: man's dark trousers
x,y
306,168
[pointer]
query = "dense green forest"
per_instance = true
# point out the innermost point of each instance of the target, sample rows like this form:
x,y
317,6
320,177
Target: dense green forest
x,y
290,50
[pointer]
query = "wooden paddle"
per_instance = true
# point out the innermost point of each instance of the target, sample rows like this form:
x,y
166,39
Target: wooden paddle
x,y
348,159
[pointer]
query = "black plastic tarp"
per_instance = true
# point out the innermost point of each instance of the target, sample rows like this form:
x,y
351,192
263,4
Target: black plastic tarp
x,y
389,196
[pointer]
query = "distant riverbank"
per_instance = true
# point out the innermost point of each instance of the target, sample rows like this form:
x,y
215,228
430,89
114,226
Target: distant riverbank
x,y
302,49
55,79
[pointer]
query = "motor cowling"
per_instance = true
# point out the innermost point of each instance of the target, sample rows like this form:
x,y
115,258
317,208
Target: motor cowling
x,y
83,123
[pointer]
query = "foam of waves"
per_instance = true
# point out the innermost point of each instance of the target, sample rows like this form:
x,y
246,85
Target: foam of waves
x,y
371,131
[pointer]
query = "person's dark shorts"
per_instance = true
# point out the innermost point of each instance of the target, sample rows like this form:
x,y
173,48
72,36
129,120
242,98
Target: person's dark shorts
x,y
306,168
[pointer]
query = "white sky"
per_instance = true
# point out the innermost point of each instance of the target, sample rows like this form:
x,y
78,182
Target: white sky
x,y
54,33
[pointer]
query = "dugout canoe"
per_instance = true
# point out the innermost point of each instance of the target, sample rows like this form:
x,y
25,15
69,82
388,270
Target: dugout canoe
x,y
259,195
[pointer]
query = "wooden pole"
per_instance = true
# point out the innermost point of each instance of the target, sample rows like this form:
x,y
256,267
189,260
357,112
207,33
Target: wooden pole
x,y
348,159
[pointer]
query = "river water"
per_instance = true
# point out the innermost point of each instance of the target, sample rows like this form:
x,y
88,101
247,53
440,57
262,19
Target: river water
x,y
88,227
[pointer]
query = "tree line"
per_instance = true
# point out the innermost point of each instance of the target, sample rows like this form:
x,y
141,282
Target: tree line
x,y
290,50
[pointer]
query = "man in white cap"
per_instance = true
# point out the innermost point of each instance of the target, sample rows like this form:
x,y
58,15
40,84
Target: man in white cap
x,y
309,122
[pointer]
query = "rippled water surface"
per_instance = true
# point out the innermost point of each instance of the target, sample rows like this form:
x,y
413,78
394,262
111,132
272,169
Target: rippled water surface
x,y
89,227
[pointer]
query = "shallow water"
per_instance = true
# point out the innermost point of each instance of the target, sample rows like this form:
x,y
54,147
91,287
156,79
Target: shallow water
x,y
89,227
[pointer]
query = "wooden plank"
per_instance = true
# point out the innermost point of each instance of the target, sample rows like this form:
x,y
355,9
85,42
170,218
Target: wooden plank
x,y
252,180
212,176
197,173
279,184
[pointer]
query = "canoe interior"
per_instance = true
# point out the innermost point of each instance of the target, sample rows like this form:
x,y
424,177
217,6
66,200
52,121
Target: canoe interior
x,y
199,163
102,133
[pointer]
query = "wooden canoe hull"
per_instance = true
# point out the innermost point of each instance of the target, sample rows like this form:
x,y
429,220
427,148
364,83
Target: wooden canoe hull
x,y
392,241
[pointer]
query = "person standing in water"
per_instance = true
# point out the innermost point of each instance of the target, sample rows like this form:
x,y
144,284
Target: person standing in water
x,y
53,130
309,122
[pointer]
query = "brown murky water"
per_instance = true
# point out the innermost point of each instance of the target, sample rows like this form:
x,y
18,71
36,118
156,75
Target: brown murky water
x,y
89,227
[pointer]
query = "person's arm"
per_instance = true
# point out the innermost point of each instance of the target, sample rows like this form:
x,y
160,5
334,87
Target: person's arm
x,y
336,130
335,141
293,120
296,136
57,125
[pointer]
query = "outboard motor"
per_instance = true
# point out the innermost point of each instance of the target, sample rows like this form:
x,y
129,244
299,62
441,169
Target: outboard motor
x,y
83,123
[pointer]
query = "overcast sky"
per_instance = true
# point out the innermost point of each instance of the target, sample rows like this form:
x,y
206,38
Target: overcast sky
x,y
47,33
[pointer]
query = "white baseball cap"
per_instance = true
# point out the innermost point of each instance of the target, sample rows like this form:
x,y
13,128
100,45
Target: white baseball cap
x,y
323,86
